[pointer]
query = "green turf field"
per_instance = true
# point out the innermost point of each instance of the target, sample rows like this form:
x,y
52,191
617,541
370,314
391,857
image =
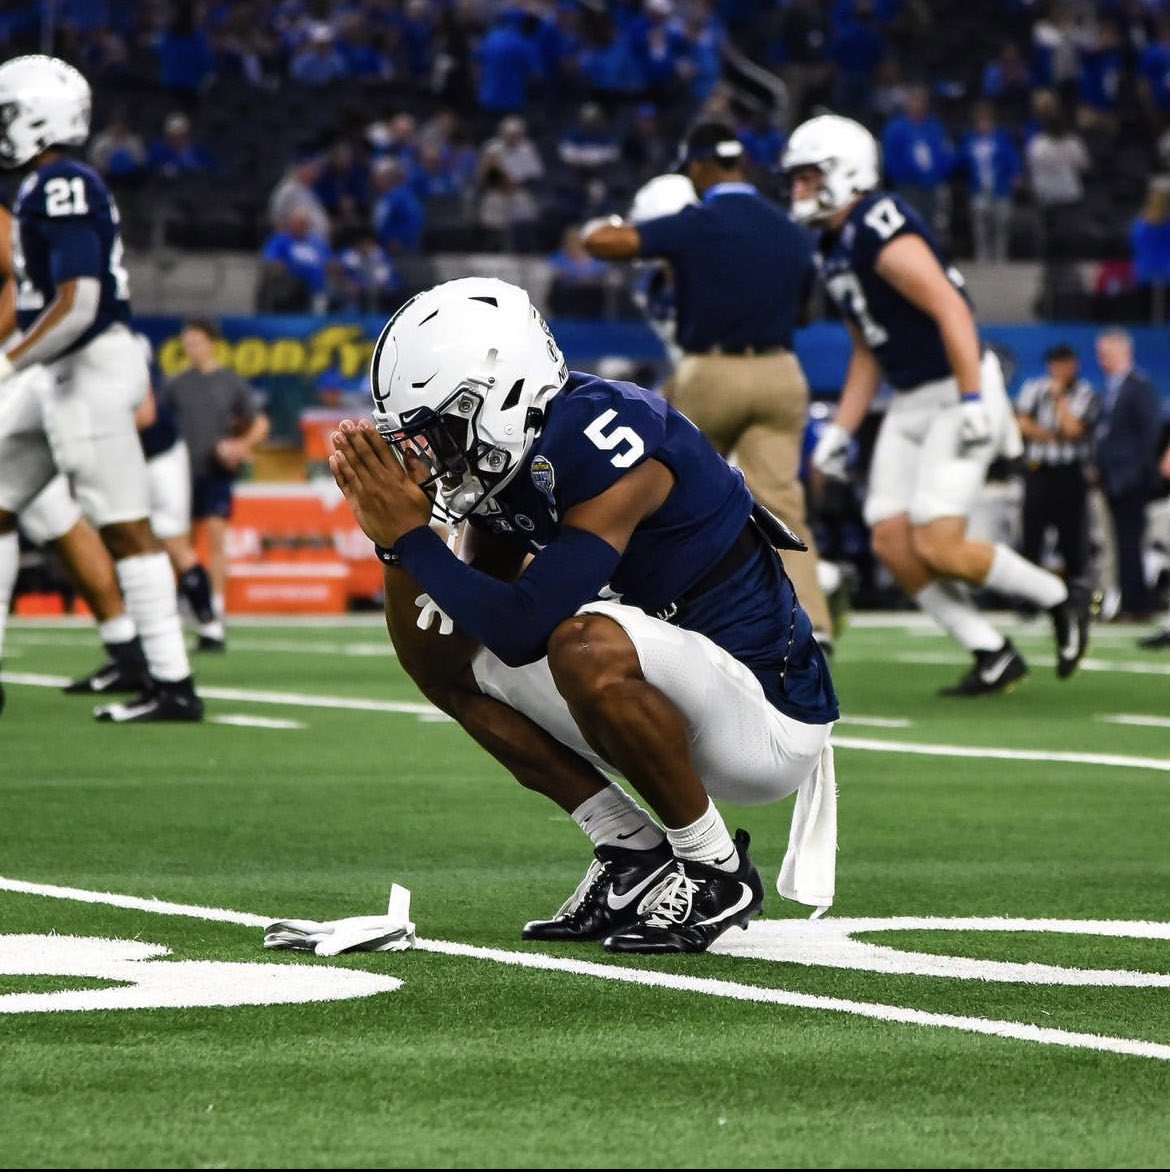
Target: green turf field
x,y
953,1045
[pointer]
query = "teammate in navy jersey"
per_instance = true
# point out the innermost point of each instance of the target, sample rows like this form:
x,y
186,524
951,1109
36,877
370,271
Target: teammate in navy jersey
x,y
911,323
71,379
653,633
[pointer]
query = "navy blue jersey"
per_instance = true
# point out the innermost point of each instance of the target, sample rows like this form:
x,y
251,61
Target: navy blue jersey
x,y
904,340
742,269
163,433
66,226
595,432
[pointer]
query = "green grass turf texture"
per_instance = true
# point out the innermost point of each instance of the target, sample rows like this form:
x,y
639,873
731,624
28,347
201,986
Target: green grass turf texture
x,y
476,1064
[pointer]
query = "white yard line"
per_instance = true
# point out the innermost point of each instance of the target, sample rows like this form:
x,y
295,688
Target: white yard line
x,y
1160,764
417,708
76,638
257,722
707,986
1137,719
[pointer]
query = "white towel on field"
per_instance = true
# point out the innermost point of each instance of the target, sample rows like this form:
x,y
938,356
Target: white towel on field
x,y
809,872
392,932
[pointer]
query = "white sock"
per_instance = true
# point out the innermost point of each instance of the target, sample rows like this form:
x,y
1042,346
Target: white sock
x,y
948,604
148,585
1014,575
613,818
119,629
9,565
217,604
705,841
213,630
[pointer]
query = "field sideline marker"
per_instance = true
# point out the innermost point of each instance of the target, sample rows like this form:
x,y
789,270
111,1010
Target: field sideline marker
x,y
709,986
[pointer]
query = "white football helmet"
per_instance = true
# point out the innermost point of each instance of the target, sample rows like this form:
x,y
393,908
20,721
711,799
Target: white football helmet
x,y
461,377
44,102
662,196
844,152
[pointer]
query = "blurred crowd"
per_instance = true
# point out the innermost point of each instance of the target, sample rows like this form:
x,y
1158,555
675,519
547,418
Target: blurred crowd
x,y
348,139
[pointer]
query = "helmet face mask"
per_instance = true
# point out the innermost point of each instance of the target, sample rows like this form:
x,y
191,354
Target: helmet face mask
x,y
44,102
846,156
442,452
460,378
810,209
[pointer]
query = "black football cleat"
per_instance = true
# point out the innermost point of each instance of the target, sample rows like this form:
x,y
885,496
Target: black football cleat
x,y
992,671
124,671
1157,641
607,898
693,905
107,680
176,701
210,644
1070,626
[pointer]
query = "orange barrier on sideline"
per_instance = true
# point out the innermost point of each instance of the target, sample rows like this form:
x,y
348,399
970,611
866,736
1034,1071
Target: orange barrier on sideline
x,y
296,548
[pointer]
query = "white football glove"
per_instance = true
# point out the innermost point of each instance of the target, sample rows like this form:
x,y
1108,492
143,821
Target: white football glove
x,y
974,426
831,455
428,611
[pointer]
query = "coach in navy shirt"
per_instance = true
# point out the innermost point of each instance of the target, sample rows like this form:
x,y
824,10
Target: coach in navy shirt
x,y
742,271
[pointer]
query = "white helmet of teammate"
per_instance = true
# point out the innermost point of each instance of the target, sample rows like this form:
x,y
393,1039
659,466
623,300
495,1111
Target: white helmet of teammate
x,y
461,377
662,196
44,102
844,152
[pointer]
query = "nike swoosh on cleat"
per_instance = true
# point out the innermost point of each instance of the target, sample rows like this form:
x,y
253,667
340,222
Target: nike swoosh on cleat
x,y
744,899
992,672
619,903
1072,648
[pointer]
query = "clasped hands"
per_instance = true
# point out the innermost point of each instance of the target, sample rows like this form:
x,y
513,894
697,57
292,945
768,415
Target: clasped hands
x,y
386,502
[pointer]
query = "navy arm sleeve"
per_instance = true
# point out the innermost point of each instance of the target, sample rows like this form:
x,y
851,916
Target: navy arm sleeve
x,y
511,619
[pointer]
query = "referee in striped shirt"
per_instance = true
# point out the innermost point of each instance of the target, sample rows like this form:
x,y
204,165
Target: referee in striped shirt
x,y
1057,414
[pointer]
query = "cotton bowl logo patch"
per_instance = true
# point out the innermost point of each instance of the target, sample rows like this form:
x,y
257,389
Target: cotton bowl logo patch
x,y
544,477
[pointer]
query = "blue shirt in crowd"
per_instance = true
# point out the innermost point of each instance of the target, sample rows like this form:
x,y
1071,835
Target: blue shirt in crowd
x,y
916,152
398,219
305,257
1150,244
990,161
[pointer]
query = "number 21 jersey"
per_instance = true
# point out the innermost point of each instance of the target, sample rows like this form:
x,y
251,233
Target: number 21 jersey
x,y
65,226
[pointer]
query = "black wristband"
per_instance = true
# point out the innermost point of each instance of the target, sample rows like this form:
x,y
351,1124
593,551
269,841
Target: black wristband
x,y
386,555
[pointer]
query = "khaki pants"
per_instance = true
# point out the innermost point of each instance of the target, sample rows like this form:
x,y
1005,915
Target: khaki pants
x,y
753,408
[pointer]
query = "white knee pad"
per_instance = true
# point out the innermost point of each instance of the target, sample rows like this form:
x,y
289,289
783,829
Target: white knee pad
x,y
51,514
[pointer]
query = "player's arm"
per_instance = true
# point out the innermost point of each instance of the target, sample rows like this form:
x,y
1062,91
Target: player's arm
x,y
907,264
60,324
146,412
512,619
436,661
75,258
863,377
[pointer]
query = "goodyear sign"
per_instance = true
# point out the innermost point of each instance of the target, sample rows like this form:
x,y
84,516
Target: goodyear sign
x,y
266,346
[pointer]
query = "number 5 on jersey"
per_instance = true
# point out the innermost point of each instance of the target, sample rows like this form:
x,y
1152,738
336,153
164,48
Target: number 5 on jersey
x,y
607,441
